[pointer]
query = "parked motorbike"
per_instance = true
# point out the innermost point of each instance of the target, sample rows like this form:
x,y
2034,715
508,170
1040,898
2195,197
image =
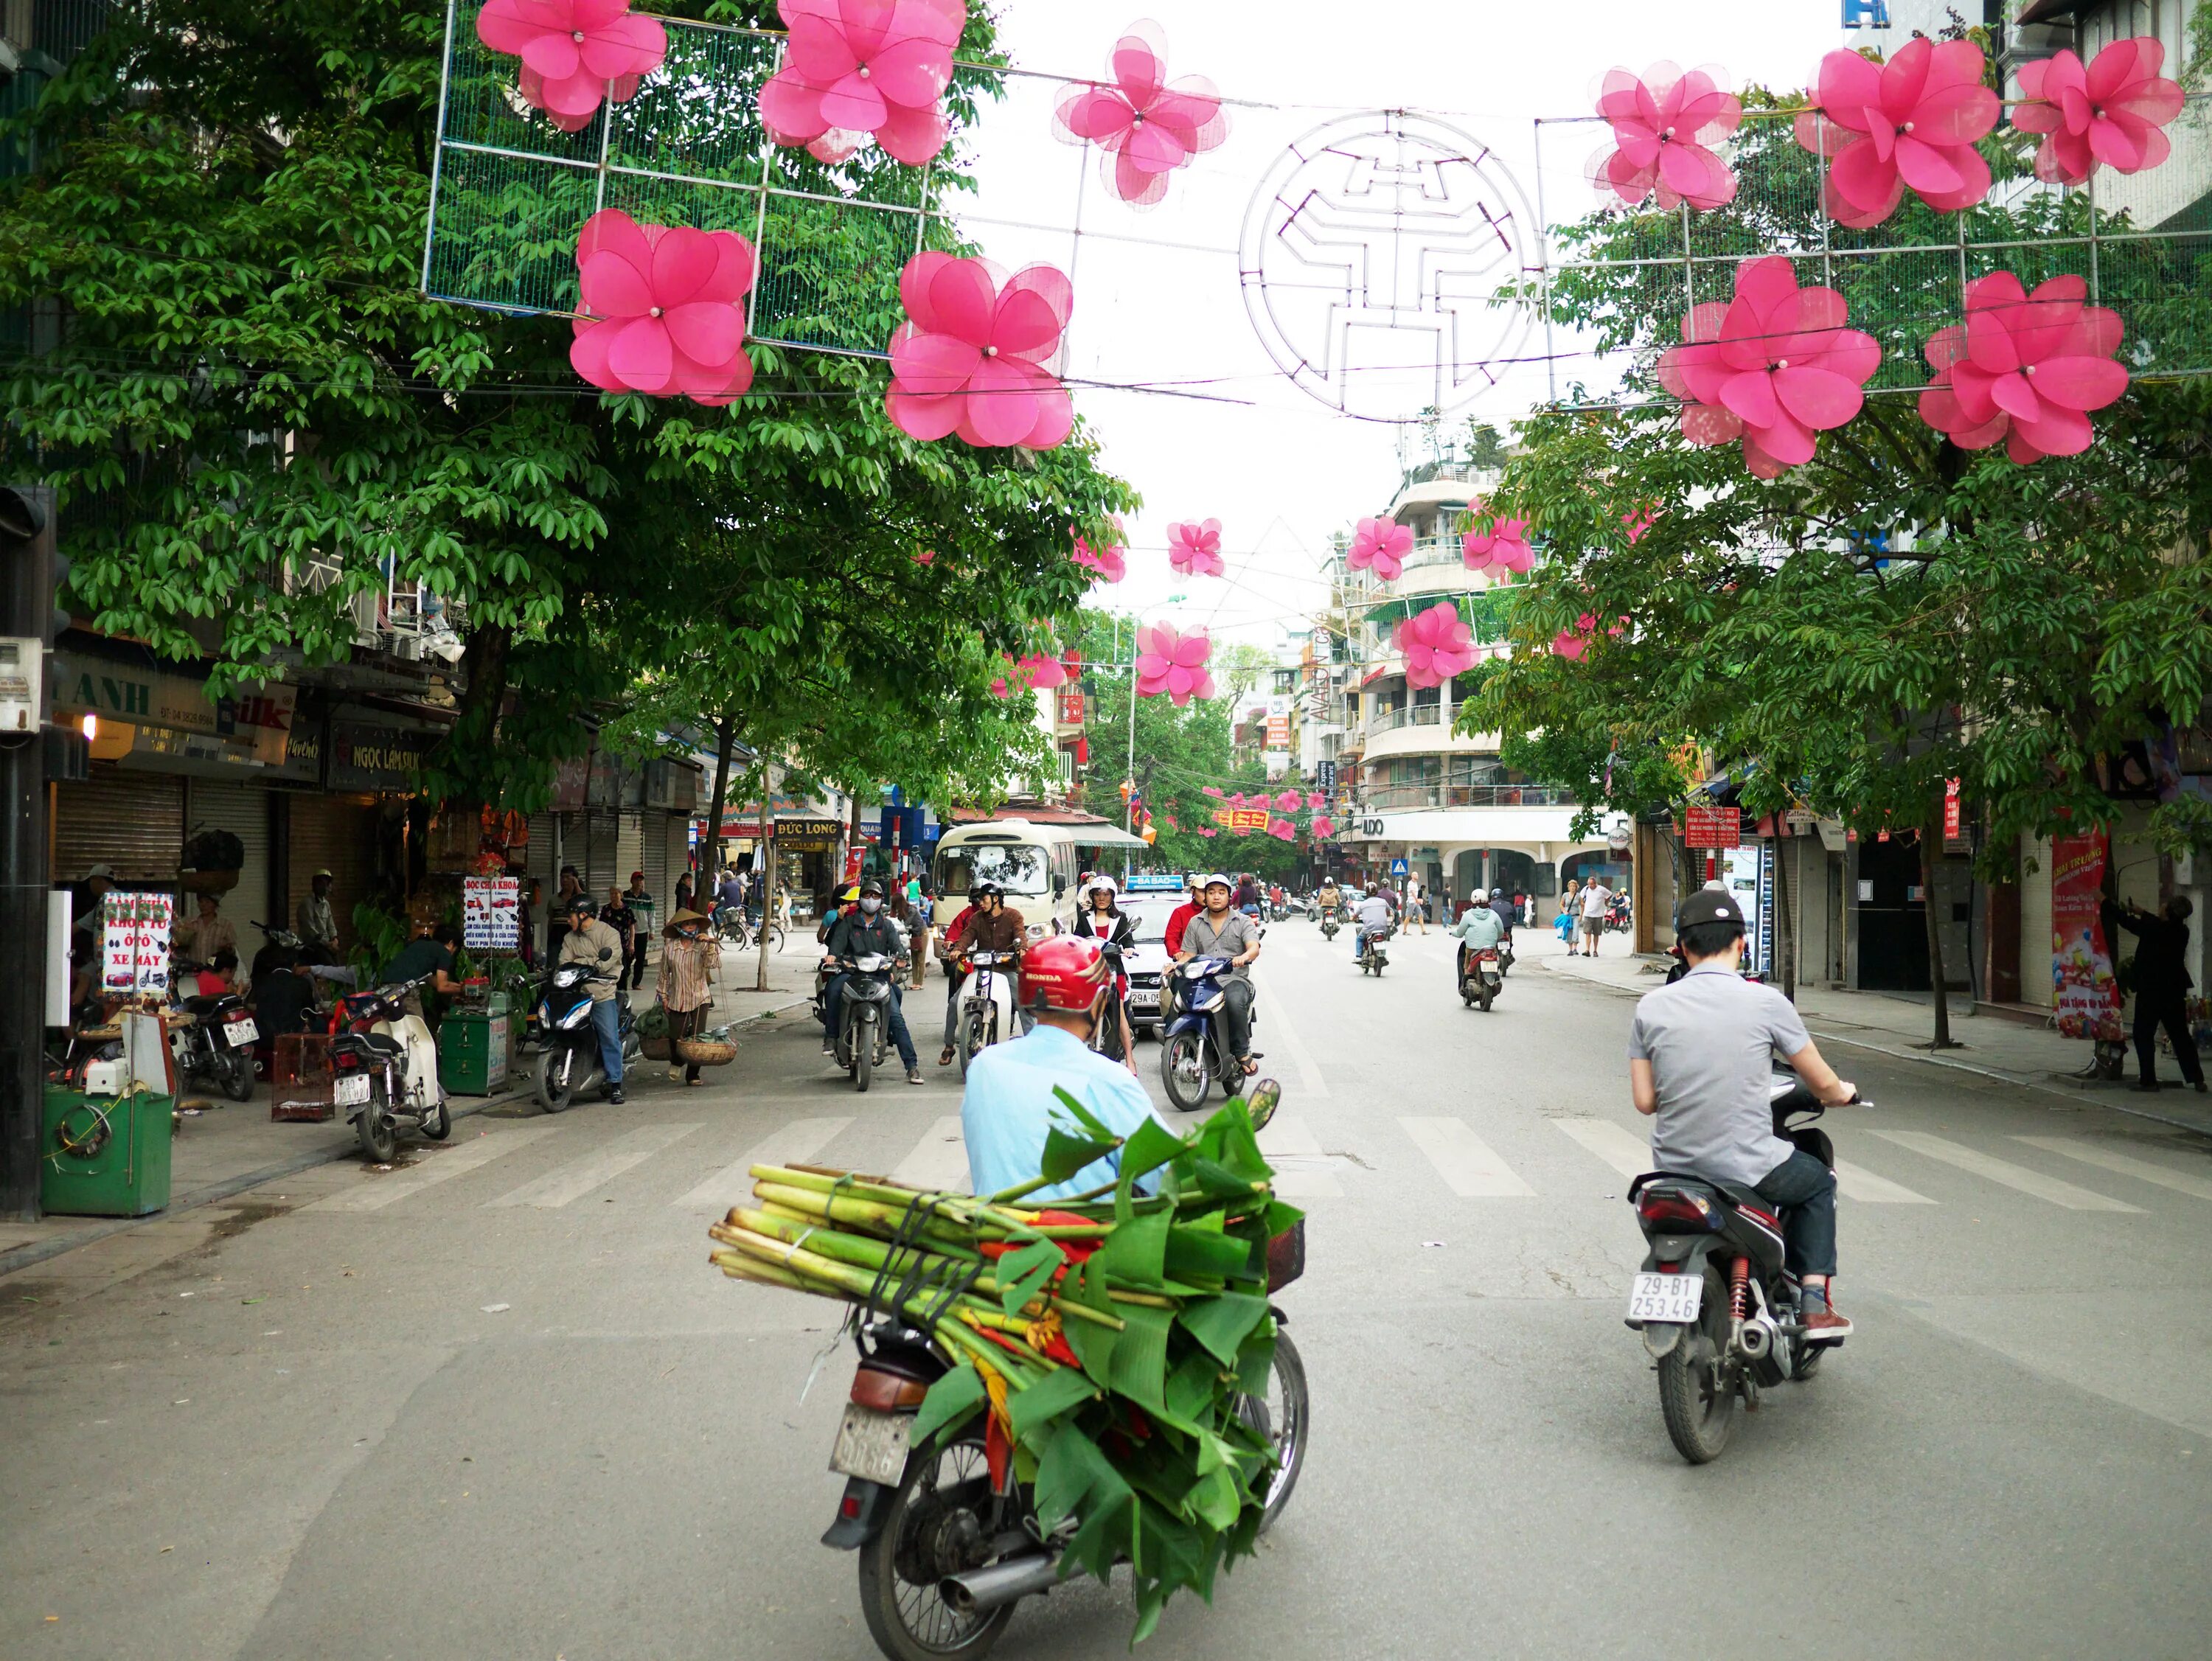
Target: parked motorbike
x,y
570,1064
864,1017
1481,976
986,1006
384,1069
945,1553
1194,1050
1718,1309
212,1038
1373,960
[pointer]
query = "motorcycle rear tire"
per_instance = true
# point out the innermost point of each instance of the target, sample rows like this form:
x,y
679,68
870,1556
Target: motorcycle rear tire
x,y
1486,996
234,1073
378,1136
1186,1048
1698,1404
438,1123
1290,1373
553,1095
881,1583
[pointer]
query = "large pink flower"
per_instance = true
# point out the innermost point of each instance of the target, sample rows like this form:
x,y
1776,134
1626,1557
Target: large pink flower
x,y
977,357
1315,801
1324,827
665,309
1145,125
1773,367
1664,129
1195,549
1288,802
2111,114
1282,830
857,68
1437,643
1172,663
1382,546
1913,121
1496,541
574,52
1110,560
2026,368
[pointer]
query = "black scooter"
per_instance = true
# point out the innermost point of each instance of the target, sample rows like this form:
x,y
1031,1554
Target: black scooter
x,y
216,1045
570,1064
864,1017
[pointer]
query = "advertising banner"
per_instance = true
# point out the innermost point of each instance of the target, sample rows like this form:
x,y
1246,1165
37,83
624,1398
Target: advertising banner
x,y
1241,819
491,913
2088,996
1712,828
134,941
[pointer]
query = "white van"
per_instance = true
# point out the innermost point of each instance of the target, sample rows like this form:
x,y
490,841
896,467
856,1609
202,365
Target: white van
x,y
1035,864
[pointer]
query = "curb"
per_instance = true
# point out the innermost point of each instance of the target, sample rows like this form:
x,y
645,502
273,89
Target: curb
x,y
35,1252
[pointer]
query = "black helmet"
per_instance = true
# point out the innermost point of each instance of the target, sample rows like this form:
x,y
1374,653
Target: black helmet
x,y
987,885
872,886
581,902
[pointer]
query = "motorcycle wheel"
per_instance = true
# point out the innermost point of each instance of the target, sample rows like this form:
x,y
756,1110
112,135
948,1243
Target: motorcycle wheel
x,y
1281,1417
978,1033
438,1123
1487,995
556,1080
934,1507
864,1055
1183,1071
234,1073
1698,1404
379,1135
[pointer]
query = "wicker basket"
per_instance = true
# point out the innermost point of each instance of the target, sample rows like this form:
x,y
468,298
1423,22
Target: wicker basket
x,y
704,1052
655,1046
207,882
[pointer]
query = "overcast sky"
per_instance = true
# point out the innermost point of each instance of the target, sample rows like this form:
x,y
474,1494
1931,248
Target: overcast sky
x,y
1280,470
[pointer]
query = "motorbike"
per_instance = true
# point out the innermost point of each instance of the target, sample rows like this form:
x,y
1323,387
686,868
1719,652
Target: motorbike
x,y
1373,960
384,1069
1617,919
1716,1306
1194,1048
1481,976
986,1005
945,1554
864,1017
214,1044
1328,923
1106,1031
570,1064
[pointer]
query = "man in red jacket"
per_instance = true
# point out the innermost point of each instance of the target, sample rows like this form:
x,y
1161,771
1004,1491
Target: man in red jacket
x,y
1194,902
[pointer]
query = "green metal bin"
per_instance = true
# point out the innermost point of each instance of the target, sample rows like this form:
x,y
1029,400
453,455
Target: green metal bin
x,y
104,1156
473,1051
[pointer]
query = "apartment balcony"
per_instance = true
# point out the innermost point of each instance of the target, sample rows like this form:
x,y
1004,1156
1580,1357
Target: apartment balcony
x,y
1409,798
1424,730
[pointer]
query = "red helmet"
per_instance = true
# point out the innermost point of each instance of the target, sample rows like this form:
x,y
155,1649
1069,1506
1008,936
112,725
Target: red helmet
x,y
1066,973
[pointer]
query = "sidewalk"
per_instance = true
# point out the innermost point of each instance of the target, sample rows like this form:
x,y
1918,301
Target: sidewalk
x,y
1993,1045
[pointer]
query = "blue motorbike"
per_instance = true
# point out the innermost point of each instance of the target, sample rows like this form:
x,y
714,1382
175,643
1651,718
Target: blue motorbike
x,y
1194,1048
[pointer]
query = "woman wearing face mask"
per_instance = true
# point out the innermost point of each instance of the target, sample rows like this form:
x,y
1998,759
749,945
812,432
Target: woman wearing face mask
x,y
1101,918
690,963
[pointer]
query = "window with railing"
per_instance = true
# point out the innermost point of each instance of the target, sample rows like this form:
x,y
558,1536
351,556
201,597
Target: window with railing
x,y
1385,798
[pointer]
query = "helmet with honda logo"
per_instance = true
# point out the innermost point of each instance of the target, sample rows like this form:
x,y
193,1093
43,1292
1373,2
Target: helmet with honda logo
x,y
1066,973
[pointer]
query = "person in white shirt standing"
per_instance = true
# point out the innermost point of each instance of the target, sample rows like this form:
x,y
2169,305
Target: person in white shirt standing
x,y
1596,901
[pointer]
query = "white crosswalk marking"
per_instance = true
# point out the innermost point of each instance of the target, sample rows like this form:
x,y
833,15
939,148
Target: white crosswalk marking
x,y
2140,1169
1302,1169
940,1160
795,1145
1466,1163
2003,1171
1857,1183
375,1195
572,1181
1626,1152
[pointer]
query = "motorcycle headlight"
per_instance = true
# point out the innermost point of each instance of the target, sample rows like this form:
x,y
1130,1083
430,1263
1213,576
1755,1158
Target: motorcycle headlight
x,y
577,1016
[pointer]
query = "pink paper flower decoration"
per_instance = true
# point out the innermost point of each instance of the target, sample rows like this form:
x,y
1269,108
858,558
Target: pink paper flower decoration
x,y
1505,544
1773,367
1195,549
574,53
1571,644
1209,834
1210,790
977,357
1381,545
1911,121
1437,643
1664,129
1109,560
2026,368
1315,801
1288,802
1173,663
1283,830
1324,828
1145,125
2111,114
1638,522
860,68
928,556
665,309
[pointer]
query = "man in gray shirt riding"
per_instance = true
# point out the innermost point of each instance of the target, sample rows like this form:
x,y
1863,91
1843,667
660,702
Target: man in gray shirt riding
x,y
1699,1061
1217,931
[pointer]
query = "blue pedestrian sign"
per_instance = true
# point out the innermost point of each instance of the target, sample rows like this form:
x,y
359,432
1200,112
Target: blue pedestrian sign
x,y
1400,867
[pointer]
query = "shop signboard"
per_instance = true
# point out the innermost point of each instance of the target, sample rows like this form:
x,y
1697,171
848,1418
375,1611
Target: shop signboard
x,y
250,727
1279,732
134,942
1325,777
1951,815
376,757
1071,706
491,911
2089,995
1704,826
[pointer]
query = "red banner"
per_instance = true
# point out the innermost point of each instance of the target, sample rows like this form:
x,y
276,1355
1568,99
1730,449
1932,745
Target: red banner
x,y
2089,998
1241,819
1950,810
1712,828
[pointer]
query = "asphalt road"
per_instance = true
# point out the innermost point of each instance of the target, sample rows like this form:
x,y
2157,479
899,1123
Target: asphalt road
x,y
495,1403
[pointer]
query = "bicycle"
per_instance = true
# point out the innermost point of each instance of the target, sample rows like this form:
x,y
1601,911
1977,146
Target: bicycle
x,y
736,928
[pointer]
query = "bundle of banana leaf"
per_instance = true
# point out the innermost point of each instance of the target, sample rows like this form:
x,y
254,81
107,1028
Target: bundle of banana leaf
x,y
1108,1340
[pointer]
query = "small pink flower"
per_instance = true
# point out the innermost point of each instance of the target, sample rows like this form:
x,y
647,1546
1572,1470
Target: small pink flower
x,y
1665,127
1195,549
2112,114
1382,546
1503,544
860,68
976,356
1209,834
928,556
1437,643
1210,790
1172,663
1146,127
1288,802
1773,367
1912,121
1109,560
574,53
665,311
2026,368
1315,801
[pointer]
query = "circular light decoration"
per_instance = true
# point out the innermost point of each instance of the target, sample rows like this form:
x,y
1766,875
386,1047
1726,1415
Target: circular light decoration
x,y
1371,258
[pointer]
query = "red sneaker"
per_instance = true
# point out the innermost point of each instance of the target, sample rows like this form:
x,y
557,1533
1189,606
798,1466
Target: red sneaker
x,y
1825,1326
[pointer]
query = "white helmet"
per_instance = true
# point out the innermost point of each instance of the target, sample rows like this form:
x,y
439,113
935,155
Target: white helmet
x,y
1101,880
1481,895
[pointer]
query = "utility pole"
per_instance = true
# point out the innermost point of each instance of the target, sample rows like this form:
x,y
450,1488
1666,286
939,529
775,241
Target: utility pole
x,y
28,571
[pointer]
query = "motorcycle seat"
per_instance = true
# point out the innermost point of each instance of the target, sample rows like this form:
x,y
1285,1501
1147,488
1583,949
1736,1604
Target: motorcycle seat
x,y
379,1044
208,1006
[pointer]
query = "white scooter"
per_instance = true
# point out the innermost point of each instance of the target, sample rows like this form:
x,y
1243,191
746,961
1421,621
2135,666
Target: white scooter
x,y
384,1066
987,1014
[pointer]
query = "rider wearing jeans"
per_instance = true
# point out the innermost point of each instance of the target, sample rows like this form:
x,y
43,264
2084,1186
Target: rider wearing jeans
x,y
1219,932
866,931
1697,1062
599,949
991,926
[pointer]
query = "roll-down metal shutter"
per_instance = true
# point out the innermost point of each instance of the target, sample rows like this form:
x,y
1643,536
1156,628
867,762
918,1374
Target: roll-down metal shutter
x,y
243,810
131,821
336,833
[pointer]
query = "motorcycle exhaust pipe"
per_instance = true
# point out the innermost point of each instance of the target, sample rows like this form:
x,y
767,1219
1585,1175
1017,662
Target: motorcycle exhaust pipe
x,y
1755,1340
981,1591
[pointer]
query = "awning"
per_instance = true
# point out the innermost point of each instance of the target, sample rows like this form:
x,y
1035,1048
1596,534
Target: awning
x,y
1105,836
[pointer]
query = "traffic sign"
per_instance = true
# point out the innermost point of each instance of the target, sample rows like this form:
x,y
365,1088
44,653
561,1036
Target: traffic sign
x,y
1400,867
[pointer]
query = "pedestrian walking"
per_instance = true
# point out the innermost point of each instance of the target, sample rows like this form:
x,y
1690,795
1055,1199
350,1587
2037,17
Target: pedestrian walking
x,y
2162,984
690,965
1596,901
640,934
1565,922
1417,904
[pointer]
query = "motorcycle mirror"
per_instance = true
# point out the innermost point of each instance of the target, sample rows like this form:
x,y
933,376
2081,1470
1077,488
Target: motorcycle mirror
x,y
1265,1097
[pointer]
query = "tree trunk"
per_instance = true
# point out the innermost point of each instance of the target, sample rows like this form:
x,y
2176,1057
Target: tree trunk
x,y
769,878
725,736
1931,853
1785,921
464,756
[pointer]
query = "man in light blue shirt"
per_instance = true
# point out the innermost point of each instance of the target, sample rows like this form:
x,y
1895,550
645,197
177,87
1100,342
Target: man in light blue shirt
x,y
1009,1107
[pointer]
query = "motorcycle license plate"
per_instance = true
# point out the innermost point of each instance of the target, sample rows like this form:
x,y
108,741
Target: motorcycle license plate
x,y
1666,1298
1140,1000
871,1445
240,1032
351,1092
